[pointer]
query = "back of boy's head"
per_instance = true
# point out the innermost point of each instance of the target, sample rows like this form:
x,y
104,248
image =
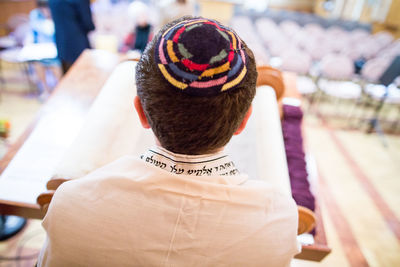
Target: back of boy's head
x,y
196,81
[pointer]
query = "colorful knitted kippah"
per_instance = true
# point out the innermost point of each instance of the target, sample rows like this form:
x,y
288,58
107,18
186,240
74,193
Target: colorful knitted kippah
x,y
201,57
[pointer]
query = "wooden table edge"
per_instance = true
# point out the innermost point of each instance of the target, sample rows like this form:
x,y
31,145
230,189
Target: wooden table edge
x,y
24,209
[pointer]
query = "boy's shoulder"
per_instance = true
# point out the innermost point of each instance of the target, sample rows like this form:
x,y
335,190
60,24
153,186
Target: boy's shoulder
x,y
133,171
127,166
130,189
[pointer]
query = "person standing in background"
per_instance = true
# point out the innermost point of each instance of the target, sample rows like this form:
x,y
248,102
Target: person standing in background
x,y
72,21
42,32
138,38
142,33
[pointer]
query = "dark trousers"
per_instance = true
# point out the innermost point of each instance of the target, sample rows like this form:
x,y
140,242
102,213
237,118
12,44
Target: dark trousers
x,y
65,66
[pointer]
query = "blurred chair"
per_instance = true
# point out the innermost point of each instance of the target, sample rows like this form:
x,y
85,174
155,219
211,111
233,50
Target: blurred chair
x,y
248,32
260,54
379,96
378,91
12,55
337,39
18,26
296,60
354,51
358,35
272,36
336,72
340,89
336,67
279,45
6,42
313,28
364,45
317,47
368,48
307,88
244,27
356,43
392,50
383,39
301,39
267,30
16,20
374,68
28,54
289,27
383,93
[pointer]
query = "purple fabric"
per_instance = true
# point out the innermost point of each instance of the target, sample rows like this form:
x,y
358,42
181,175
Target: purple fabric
x,y
292,135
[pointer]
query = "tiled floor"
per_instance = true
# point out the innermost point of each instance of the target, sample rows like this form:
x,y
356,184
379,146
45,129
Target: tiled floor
x,y
25,245
19,105
358,186
17,101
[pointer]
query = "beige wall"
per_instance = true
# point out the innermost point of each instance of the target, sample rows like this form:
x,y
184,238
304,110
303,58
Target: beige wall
x,y
8,8
300,5
392,21
359,10
384,16
393,16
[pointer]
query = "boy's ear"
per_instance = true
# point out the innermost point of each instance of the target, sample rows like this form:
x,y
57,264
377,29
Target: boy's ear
x,y
244,121
140,112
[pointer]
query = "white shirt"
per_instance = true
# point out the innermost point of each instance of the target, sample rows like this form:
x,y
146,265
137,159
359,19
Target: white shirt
x,y
141,212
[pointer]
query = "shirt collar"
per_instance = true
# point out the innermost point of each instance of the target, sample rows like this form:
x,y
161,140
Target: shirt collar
x,y
216,164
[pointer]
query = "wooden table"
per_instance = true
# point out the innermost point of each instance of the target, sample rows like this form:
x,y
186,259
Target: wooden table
x,y
30,162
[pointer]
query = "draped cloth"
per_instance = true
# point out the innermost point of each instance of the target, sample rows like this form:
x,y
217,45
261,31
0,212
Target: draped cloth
x,y
134,213
291,126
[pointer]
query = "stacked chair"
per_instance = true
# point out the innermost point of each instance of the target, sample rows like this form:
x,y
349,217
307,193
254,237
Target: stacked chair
x,y
324,54
337,72
244,27
381,91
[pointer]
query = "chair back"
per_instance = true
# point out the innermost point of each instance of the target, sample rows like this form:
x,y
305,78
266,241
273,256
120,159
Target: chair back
x,y
337,67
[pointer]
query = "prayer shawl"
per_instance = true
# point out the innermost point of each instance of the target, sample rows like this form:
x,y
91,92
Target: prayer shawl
x,y
140,212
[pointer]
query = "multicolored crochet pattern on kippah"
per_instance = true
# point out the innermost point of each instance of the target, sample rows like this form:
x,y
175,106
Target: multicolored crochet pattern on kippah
x,y
201,57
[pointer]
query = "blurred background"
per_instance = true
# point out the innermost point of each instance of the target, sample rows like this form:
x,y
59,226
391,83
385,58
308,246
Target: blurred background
x,y
346,57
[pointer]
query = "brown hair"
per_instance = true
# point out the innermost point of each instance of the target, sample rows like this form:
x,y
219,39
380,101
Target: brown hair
x,y
191,124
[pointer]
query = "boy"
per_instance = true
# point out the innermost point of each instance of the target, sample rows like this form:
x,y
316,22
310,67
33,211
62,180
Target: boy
x,y
175,206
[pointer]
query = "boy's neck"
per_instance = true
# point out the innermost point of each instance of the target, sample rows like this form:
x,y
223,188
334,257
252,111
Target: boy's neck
x,y
216,151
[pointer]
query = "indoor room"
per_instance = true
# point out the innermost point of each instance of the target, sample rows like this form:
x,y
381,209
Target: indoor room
x,y
199,133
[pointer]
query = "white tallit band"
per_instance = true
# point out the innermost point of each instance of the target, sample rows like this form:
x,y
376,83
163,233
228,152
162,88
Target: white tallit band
x,y
201,165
